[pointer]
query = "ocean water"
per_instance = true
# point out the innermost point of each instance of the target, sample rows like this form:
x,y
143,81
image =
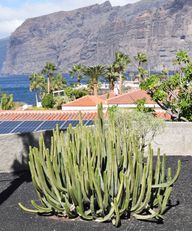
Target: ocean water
x,y
18,85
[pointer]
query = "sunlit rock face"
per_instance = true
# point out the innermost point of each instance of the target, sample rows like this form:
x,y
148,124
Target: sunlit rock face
x,y
93,34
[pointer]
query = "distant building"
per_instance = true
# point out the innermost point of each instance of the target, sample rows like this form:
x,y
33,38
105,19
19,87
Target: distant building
x,y
85,103
127,100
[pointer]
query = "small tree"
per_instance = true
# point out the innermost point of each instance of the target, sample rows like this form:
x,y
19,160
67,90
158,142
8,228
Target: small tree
x,y
142,108
59,101
77,71
45,82
141,58
111,76
37,84
48,101
57,83
73,93
120,64
173,93
143,125
7,101
94,72
49,71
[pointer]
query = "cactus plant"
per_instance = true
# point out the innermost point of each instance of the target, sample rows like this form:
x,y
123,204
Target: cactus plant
x,y
99,173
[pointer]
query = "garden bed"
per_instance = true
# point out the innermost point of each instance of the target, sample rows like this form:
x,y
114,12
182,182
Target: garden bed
x,y
18,188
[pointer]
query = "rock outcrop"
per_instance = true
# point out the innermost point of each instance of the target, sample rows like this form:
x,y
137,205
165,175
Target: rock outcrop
x,y
93,34
3,49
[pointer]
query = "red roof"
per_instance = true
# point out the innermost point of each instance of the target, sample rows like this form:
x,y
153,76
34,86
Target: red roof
x,y
45,115
162,115
127,98
107,96
131,98
88,100
57,115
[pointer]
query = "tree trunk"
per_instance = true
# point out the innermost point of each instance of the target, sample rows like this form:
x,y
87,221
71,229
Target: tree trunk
x,y
48,85
111,85
36,99
95,89
78,81
120,83
168,110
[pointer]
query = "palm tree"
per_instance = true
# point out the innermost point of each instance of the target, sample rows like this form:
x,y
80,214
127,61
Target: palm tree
x,y
77,71
57,83
49,70
182,57
37,84
141,58
111,76
120,64
94,72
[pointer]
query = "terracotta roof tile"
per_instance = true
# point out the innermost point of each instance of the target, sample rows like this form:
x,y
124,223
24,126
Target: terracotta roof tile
x,y
131,98
107,96
162,115
88,100
58,115
44,115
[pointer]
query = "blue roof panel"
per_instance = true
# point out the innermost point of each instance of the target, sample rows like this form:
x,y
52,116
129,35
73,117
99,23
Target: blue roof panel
x,y
11,127
50,125
27,126
6,127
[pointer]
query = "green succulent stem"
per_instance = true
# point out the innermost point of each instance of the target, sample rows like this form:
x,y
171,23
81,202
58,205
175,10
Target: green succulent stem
x,y
99,173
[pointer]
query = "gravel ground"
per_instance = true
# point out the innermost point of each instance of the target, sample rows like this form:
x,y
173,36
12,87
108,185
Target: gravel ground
x,y
14,189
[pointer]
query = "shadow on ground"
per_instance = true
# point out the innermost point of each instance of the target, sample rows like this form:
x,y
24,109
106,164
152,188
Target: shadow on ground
x,y
20,171
178,217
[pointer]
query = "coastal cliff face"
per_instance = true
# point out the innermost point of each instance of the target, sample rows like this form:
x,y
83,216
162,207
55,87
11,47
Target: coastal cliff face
x,y
3,49
93,34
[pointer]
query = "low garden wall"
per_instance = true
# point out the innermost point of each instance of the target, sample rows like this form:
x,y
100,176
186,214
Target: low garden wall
x,y
14,150
176,139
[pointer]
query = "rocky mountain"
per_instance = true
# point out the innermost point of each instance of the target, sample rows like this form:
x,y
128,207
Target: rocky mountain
x,y
3,49
93,34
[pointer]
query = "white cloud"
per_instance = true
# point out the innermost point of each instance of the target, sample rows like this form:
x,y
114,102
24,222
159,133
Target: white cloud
x,y
11,18
8,26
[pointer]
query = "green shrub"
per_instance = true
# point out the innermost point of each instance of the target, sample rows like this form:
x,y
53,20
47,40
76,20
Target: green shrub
x,y
112,109
74,93
59,101
99,173
143,125
48,101
142,108
7,101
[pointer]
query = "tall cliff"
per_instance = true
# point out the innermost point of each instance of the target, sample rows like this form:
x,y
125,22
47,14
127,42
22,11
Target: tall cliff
x,y
93,34
3,49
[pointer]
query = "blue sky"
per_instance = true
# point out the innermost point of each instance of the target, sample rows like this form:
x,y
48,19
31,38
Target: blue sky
x,y
14,12
19,3
11,3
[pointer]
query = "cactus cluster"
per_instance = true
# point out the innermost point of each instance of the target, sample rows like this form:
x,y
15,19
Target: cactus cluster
x,y
99,173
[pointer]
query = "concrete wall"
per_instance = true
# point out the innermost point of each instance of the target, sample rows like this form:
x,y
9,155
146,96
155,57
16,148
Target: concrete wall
x,y
14,150
176,139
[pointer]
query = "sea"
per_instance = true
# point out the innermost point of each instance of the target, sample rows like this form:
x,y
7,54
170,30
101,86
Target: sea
x,y
18,85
